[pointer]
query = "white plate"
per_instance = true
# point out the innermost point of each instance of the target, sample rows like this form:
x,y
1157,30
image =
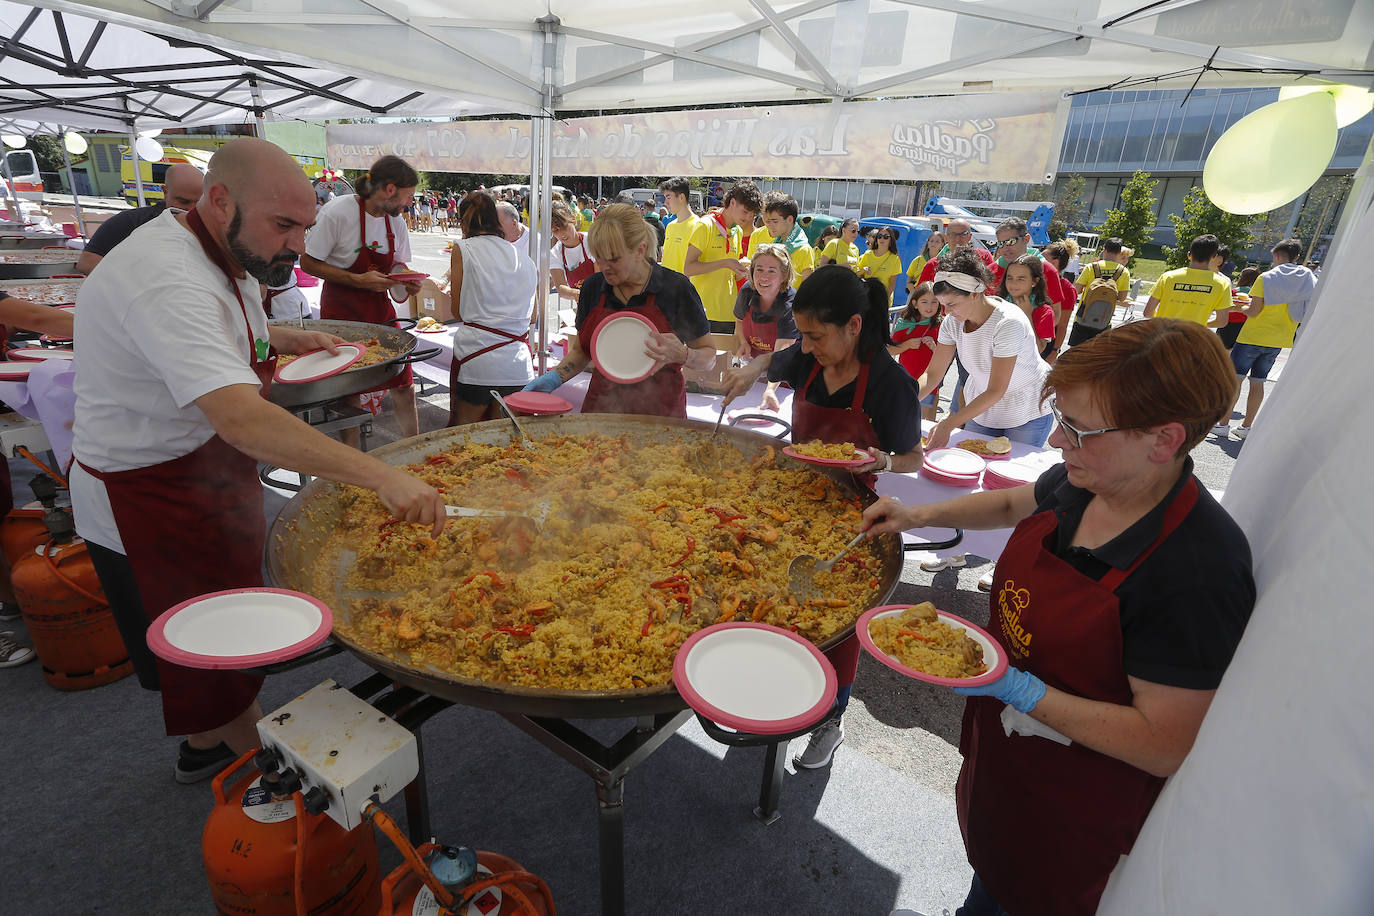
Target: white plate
x,y
320,364
1013,470
15,372
754,678
240,628
40,353
618,346
958,461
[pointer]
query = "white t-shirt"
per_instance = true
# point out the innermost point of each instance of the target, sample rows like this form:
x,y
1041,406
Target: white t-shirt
x,y
499,283
569,259
334,237
158,327
1007,332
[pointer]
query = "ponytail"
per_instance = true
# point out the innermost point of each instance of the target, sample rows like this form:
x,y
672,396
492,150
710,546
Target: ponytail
x,y
877,330
386,170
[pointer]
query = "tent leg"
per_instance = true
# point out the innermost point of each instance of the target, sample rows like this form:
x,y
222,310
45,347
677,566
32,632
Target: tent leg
x,y
138,168
71,183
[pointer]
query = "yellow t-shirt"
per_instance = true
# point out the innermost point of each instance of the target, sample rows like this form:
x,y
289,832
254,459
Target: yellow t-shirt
x,y
760,236
717,288
917,265
803,259
880,267
848,255
1089,274
1191,294
676,236
1271,327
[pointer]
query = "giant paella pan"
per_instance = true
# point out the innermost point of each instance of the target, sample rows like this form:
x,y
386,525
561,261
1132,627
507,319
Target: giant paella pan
x,y
624,535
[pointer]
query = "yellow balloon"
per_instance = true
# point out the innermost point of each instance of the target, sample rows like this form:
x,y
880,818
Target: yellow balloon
x,y
1352,102
1272,155
75,143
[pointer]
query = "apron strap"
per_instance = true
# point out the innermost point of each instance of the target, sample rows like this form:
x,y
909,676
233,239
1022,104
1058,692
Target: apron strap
x,y
1173,516
510,339
216,256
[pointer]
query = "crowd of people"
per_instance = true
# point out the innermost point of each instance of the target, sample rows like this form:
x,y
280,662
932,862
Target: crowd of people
x,y
1131,632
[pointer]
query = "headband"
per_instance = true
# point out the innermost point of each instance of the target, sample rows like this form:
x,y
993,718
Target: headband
x,y
960,281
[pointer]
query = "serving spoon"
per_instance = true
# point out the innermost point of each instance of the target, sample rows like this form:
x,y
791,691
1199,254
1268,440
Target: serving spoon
x,y
801,572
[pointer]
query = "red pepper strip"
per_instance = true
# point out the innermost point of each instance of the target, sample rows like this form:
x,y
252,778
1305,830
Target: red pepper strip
x,y
488,635
525,630
691,546
722,514
913,635
495,579
436,459
873,583
515,476
683,599
670,582
644,630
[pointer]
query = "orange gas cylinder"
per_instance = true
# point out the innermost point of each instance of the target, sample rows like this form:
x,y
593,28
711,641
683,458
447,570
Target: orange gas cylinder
x,y
20,532
405,894
250,845
70,622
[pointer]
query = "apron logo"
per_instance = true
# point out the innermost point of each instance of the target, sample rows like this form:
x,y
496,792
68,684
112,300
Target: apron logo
x,y
260,348
1012,601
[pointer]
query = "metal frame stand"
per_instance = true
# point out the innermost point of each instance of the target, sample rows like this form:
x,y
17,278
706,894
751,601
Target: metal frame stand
x,y
774,761
608,766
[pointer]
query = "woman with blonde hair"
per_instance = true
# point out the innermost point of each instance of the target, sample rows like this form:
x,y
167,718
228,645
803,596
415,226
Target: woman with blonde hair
x,y
763,310
628,280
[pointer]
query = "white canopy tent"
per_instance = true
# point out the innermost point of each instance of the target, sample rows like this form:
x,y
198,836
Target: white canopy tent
x,y
1233,832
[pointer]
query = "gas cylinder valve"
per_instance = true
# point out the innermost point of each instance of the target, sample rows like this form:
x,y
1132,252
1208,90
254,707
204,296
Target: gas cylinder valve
x,y
267,760
283,782
454,866
316,800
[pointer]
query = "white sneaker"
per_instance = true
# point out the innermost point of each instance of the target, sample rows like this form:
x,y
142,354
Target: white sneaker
x,y
821,748
13,653
985,581
1222,429
1240,432
953,562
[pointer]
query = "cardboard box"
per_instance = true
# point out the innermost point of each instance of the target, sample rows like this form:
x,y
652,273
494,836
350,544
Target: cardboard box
x,y
429,302
709,380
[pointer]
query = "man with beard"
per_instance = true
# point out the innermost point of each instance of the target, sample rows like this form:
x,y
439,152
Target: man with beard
x,y
171,420
356,242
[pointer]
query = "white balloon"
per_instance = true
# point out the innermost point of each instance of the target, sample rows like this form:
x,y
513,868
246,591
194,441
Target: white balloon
x,y
15,141
1352,102
153,132
1271,155
149,150
74,142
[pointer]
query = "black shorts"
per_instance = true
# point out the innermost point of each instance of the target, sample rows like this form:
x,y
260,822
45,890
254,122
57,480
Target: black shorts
x,y
480,395
1081,334
1229,333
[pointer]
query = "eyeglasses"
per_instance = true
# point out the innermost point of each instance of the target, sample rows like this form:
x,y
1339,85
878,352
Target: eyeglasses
x,y
958,235
1005,243
1076,435
883,235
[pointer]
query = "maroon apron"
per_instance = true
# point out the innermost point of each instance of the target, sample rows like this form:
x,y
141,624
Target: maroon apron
x,y
349,303
1045,824
663,394
194,525
762,336
837,424
583,270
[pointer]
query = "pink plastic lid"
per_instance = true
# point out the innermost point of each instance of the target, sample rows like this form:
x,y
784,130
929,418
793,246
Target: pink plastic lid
x,y
240,628
993,656
856,461
754,678
1012,474
537,402
408,276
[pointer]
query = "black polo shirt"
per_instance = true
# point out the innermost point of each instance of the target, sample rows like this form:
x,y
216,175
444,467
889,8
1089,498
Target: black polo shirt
x,y
119,227
781,315
674,295
891,400
1184,609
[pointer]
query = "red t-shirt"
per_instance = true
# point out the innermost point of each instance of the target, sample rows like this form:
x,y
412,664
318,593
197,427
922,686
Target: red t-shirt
x,y
928,272
915,360
1042,321
1070,294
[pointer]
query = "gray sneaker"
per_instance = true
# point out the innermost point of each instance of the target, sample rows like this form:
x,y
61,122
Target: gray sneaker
x,y
12,653
821,748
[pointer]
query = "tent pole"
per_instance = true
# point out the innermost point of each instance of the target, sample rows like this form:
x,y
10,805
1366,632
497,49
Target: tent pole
x,y
12,200
541,186
138,170
71,183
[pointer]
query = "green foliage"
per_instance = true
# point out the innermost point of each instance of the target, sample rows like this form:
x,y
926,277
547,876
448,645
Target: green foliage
x,y
1135,218
1200,217
47,149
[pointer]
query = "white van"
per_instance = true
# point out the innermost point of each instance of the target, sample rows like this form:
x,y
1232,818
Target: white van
x,y
643,196
23,168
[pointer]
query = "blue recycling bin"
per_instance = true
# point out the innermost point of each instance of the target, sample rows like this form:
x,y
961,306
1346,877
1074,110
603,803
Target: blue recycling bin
x,y
910,243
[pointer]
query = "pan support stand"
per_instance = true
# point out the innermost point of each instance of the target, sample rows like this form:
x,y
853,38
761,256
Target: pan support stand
x,y
608,766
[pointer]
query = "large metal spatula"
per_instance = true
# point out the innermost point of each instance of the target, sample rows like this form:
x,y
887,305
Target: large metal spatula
x,y
540,513
801,572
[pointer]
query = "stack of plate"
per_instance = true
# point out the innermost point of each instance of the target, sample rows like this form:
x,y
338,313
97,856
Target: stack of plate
x,y
1008,474
955,467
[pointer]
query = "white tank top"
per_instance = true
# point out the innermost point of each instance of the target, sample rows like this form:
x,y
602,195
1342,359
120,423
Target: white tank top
x,y
498,290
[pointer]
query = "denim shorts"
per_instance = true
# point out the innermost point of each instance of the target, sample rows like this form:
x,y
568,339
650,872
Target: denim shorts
x,y
932,399
1032,432
1253,360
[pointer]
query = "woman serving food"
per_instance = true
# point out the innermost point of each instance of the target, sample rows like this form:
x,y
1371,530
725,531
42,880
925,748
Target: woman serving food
x,y
849,389
1118,601
629,281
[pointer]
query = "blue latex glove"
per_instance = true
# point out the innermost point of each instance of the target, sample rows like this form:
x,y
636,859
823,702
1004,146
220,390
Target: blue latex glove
x,y
1015,687
547,383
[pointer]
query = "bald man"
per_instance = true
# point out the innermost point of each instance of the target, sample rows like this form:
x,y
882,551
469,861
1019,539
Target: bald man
x,y
171,420
515,231
181,188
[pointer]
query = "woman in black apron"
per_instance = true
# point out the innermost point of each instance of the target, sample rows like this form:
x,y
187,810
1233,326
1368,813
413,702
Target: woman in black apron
x,y
849,389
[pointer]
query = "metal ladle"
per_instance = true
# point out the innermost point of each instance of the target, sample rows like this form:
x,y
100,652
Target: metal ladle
x,y
801,572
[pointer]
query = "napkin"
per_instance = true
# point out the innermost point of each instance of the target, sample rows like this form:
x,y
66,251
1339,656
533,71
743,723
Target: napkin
x,y
1013,720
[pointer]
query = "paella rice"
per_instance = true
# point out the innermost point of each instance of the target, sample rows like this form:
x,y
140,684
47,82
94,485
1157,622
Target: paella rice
x,y
375,353
831,451
919,639
640,546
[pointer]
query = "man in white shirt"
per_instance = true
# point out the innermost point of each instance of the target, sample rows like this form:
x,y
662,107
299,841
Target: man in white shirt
x,y
174,353
516,232
356,243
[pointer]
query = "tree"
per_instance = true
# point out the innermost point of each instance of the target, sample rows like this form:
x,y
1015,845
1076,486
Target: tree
x,y
1070,209
47,149
1202,217
1136,217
